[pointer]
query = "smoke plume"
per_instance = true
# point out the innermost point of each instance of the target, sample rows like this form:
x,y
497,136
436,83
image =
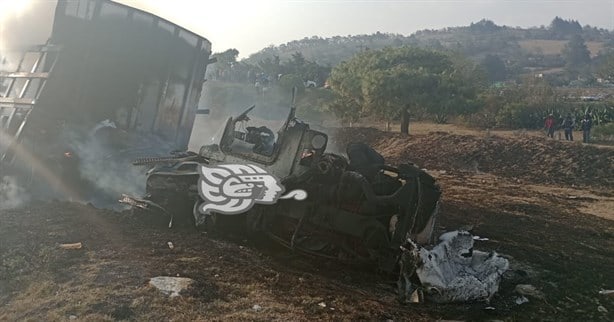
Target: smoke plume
x,y
12,195
105,163
23,23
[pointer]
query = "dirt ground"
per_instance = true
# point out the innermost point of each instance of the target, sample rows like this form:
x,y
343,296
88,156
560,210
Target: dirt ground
x,y
546,205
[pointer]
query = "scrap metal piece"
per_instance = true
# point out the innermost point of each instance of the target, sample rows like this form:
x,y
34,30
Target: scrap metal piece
x,y
146,205
454,272
166,159
71,246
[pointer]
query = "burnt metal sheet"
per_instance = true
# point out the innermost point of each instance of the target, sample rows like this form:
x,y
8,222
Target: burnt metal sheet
x,y
17,100
23,75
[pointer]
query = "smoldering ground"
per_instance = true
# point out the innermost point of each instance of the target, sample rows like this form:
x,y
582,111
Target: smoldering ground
x,y
12,194
105,154
88,164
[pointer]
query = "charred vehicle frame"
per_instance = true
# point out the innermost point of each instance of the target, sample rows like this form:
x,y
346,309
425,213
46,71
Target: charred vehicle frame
x,y
357,210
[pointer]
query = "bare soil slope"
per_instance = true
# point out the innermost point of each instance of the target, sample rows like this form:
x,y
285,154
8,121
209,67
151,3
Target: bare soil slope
x,y
516,191
534,159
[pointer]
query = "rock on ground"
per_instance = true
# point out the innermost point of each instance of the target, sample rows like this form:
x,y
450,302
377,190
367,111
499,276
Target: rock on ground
x,y
171,286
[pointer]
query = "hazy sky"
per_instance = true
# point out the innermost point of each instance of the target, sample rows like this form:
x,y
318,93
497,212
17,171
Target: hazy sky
x,y
251,25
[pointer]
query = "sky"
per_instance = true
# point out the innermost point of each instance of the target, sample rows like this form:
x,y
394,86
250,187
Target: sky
x,y
250,26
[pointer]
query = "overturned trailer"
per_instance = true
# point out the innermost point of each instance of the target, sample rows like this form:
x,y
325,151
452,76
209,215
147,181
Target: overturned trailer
x,y
103,61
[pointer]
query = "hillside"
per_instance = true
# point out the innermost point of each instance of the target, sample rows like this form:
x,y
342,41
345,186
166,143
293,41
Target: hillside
x,y
555,47
518,47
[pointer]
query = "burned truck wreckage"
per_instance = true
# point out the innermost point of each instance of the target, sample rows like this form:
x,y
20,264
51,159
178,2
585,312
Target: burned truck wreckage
x,y
359,209
111,82
114,82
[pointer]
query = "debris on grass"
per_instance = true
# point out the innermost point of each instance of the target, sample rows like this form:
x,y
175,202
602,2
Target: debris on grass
x,y
478,238
171,286
529,290
71,246
454,272
521,300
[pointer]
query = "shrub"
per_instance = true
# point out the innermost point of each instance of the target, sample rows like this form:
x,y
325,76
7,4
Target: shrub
x,y
478,120
287,82
604,132
519,115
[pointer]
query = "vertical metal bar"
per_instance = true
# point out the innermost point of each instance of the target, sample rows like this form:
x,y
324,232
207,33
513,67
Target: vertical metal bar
x,y
2,118
162,90
96,13
18,134
44,80
87,10
189,82
42,61
10,87
10,119
32,70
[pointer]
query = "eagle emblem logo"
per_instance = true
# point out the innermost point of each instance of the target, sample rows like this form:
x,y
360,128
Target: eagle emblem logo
x,y
235,188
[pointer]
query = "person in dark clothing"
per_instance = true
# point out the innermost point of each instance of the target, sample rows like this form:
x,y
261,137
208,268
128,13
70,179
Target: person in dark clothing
x,y
568,125
587,124
549,125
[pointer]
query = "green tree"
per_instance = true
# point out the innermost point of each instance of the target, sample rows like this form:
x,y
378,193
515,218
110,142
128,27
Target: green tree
x,y
388,83
228,56
605,69
576,55
494,67
271,66
561,29
526,104
288,81
297,63
225,63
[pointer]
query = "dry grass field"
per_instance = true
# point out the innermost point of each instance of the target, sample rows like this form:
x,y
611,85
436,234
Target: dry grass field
x,y
553,47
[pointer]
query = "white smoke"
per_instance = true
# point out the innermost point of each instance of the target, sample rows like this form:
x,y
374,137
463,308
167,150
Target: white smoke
x,y
110,174
12,195
105,155
104,175
23,23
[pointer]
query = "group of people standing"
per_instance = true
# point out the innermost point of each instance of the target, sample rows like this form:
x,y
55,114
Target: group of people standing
x,y
568,125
